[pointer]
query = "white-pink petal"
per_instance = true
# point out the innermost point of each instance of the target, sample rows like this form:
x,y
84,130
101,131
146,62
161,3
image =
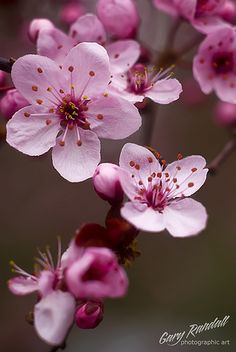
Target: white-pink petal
x,y
77,162
185,217
32,131
113,117
22,286
53,316
165,91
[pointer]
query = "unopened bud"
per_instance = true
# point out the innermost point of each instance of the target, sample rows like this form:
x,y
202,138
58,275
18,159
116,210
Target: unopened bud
x,y
89,315
36,26
225,114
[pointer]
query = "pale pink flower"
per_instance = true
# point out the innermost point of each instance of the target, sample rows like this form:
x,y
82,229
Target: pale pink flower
x,y
159,195
107,184
225,114
70,110
167,6
120,17
11,102
214,66
146,82
54,312
96,274
89,315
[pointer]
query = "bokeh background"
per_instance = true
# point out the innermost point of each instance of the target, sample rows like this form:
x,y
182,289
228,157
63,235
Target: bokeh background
x,y
175,282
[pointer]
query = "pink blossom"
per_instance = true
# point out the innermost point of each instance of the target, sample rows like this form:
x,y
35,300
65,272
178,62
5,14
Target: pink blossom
x,y
228,11
168,6
11,102
96,275
70,110
159,195
89,315
107,184
37,25
225,114
51,323
141,81
71,11
120,17
214,66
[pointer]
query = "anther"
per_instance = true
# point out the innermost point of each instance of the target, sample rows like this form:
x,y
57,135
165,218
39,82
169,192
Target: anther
x,y
35,88
71,68
92,73
132,163
194,169
190,184
26,114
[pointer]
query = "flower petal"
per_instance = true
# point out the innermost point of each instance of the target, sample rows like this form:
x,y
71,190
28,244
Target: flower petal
x,y
185,217
32,130
147,220
53,316
88,28
77,162
87,69
165,91
54,44
123,55
113,117
22,286
38,79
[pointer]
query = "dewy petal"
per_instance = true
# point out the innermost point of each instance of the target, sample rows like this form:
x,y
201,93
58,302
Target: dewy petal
x,y
185,217
77,162
88,28
53,316
165,91
146,220
22,286
54,44
189,174
139,161
123,55
87,69
38,79
32,131
113,117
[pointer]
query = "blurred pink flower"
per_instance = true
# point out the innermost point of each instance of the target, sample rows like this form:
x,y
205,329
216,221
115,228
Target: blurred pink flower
x,y
107,184
119,17
225,114
11,102
71,11
37,25
214,66
228,11
3,77
89,315
51,323
158,194
96,275
70,110
141,81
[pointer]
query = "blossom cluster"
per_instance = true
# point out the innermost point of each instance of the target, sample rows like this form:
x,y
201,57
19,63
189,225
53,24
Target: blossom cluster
x,y
94,82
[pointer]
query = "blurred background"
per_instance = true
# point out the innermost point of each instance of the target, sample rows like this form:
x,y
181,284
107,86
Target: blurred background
x,y
175,282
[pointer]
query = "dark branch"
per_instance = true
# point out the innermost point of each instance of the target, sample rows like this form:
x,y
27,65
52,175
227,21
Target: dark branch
x,y
6,64
228,149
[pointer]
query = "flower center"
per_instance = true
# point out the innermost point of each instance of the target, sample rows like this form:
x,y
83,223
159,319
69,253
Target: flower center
x,y
73,112
137,79
223,62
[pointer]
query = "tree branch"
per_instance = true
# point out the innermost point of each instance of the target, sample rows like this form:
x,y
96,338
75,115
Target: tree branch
x,y
6,64
228,149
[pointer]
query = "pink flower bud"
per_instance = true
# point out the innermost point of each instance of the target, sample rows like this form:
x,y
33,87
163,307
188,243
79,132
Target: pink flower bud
x,y
89,315
2,78
12,102
225,114
37,25
106,183
119,17
228,11
71,12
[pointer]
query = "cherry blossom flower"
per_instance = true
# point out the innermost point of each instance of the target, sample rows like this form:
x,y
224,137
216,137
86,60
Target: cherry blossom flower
x,y
159,194
120,17
54,312
71,11
143,82
214,66
11,102
70,110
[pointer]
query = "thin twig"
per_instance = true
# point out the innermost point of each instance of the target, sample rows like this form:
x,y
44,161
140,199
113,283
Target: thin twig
x,y
6,64
228,149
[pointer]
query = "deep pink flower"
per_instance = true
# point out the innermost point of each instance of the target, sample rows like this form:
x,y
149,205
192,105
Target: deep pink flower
x,y
228,11
89,315
142,81
96,274
11,102
167,6
107,184
54,312
120,17
214,66
158,194
71,11
225,114
70,110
